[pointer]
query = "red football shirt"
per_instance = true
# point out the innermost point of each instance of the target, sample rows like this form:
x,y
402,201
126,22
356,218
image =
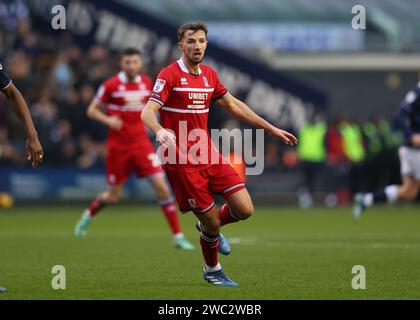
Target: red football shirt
x,y
185,100
127,100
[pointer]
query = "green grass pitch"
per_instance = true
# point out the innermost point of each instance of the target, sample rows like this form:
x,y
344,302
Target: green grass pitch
x,y
280,253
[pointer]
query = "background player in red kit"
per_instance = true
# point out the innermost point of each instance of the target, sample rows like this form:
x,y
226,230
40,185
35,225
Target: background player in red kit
x,y
129,147
182,94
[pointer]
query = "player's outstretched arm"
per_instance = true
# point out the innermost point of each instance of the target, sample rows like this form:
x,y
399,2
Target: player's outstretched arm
x,y
34,151
245,113
94,112
148,116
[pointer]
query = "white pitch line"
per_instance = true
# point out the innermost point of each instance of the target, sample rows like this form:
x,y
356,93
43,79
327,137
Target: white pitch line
x,y
253,241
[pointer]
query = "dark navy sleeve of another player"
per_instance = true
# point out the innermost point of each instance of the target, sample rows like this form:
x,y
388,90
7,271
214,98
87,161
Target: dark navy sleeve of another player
x,y
407,117
5,80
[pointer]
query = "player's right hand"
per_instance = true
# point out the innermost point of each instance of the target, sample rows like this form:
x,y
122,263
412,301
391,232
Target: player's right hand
x,y
415,139
34,152
166,137
114,122
284,136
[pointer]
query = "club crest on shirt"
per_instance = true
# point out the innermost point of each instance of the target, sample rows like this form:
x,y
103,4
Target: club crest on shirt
x,y
206,82
159,84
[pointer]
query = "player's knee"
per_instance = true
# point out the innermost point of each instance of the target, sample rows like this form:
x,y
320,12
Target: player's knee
x,y
111,197
245,212
114,199
215,225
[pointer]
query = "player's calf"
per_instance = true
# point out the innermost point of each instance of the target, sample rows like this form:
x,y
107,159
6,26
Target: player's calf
x,y
210,224
161,188
210,221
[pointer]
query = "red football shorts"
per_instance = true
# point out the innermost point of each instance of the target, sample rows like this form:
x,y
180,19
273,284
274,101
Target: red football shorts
x,y
122,162
194,189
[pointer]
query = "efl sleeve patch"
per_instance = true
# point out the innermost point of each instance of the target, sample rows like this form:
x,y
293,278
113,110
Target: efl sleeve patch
x,y
159,85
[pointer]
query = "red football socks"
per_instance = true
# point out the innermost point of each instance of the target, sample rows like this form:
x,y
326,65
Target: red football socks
x,y
209,247
226,215
96,205
170,212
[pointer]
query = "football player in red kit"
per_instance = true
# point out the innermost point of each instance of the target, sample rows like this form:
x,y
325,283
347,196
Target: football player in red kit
x,y
129,149
182,94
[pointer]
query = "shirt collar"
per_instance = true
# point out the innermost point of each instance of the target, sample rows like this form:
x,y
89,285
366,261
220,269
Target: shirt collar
x,y
123,77
184,67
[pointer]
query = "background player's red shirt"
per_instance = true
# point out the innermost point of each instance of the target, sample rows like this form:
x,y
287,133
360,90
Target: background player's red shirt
x,y
127,100
186,98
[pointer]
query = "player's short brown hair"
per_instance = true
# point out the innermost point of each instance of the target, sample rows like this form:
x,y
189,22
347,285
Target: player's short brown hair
x,y
194,26
130,52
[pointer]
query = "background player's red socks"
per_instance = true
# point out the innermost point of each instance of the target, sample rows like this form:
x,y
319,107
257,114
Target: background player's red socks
x,y
209,247
226,216
171,214
96,205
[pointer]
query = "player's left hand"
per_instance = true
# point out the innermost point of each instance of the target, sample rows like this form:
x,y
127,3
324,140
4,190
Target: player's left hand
x,y
34,151
284,136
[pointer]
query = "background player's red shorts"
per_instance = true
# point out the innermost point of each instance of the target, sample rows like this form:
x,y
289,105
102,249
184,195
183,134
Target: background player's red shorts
x,y
194,189
122,162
